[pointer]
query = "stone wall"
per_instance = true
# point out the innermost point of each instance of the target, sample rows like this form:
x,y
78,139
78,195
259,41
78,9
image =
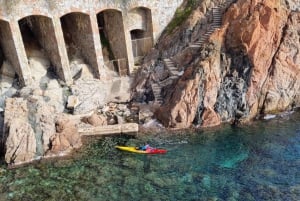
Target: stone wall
x,y
14,10
45,33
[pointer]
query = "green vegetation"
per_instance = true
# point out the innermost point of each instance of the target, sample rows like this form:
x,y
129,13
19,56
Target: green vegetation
x,y
181,14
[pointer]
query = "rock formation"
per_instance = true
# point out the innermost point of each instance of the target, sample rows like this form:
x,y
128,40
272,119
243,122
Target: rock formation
x,y
246,67
255,30
217,61
281,90
66,137
21,143
31,133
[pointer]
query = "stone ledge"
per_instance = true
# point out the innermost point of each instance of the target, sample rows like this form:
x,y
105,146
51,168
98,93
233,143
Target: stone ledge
x,y
128,128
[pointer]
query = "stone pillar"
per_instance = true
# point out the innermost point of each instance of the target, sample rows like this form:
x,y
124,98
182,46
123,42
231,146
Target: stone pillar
x,y
97,48
115,29
64,70
17,54
156,29
129,47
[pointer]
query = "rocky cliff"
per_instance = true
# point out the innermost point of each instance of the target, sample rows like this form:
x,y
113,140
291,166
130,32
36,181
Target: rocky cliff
x,y
217,61
234,71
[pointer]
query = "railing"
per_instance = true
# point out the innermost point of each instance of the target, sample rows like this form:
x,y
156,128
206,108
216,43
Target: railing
x,y
118,65
140,48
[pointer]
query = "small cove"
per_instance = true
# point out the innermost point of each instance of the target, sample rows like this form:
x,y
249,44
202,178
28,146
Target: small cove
x,y
259,161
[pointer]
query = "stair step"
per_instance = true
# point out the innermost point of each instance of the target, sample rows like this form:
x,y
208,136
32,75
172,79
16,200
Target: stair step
x,y
194,46
156,92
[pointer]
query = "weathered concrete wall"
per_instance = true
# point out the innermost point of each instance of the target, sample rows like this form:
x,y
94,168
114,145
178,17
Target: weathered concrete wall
x,y
44,30
78,32
14,10
137,18
115,33
141,18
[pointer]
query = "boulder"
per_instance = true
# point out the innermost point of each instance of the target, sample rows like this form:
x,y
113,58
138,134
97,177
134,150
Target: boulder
x,y
66,138
20,138
20,143
72,102
96,120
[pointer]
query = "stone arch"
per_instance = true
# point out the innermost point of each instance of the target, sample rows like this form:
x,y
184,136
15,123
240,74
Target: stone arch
x,y
102,9
34,12
41,45
78,37
112,35
72,10
141,32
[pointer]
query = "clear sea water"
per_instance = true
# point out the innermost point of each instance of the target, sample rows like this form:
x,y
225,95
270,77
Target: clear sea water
x,y
260,161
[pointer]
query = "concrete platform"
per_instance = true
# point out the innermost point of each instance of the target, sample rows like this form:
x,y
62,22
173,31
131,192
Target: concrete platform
x,y
108,130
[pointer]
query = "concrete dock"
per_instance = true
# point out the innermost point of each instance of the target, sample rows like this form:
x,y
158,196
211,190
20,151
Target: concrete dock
x,y
128,128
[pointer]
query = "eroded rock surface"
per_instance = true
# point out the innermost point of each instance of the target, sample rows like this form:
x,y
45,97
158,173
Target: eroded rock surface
x,y
31,131
247,67
66,137
282,88
255,29
20,143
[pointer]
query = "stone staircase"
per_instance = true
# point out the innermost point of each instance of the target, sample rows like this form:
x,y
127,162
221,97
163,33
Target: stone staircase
x,y
171,67
216,23
157,87
217,14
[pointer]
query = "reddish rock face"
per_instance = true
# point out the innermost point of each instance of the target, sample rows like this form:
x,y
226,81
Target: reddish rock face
x,y
180,110
255,27
281,91
257,73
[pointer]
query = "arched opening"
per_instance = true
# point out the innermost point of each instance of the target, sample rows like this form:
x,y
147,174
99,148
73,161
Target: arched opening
x,y
78,36
141,32
137,34
40,45
112,35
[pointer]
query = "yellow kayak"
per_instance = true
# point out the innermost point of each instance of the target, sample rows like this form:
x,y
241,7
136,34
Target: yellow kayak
x,y
148,151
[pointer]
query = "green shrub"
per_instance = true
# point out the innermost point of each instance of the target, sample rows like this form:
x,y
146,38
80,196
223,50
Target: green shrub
x,y
181,14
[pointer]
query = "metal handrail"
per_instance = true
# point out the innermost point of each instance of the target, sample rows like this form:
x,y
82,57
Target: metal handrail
x,y
141,47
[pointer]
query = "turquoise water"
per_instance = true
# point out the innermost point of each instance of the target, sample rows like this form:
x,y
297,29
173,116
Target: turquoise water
x,y
254,162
